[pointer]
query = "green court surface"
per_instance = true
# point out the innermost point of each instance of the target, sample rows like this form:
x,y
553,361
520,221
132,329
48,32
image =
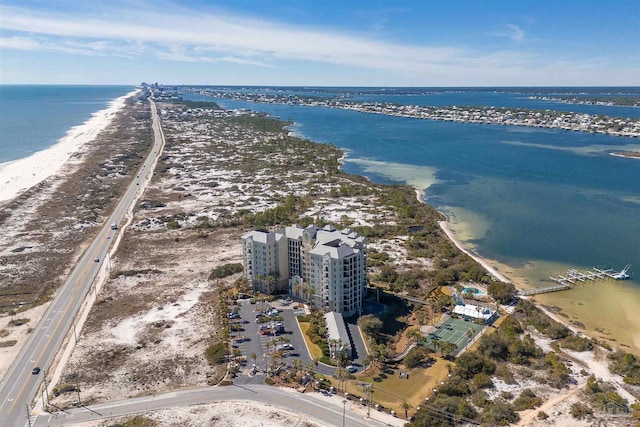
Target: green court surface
x,y
453,331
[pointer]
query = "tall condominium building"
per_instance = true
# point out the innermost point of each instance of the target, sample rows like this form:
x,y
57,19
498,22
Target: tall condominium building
x,y
324,266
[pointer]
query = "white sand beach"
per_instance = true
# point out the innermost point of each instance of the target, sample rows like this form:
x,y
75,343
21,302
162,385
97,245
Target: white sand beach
x,y
20,175
483,262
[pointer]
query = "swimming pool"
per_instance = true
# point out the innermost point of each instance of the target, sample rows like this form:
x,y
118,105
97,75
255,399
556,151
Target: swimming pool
x,y
472,290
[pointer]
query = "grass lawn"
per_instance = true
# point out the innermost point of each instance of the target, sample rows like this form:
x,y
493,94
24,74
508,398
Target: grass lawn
x,y
314,349
393,390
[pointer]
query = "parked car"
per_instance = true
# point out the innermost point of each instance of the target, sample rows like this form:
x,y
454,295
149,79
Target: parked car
x,y
285,346
351,369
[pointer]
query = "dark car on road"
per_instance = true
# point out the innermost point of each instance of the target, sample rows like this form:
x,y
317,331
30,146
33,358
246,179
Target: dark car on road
x,y
35,370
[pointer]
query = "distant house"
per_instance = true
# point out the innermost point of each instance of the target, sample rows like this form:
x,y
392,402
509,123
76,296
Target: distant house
x,y
475,312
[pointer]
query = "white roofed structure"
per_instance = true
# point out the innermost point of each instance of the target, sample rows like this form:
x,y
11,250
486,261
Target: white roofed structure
x,y
337,334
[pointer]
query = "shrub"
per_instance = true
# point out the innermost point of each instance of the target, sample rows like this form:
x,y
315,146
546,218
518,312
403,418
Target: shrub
x,y
415,357
500,413
627,365
527,400
482,380
388,274
480,398
216,353
455,386
501,292
173,225
471,363
225,270
576,343
580,411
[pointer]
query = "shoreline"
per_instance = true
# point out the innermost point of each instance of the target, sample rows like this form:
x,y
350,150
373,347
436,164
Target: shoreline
x,y
626,154
17,176
444,225
542,306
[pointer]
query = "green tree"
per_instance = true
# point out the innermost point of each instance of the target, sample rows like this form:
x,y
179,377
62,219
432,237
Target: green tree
x,y
415,335
370,325
387,274
406,406
500,413
446,348
501,292
415,357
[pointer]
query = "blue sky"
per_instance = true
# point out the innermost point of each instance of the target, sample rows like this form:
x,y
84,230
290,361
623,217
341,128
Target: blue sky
x,y
325,43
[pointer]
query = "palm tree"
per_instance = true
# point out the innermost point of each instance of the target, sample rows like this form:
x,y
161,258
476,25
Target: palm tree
x,y
259,279
414,334
368,361
342,376
406,406
306,290
270,281
447,348
379,354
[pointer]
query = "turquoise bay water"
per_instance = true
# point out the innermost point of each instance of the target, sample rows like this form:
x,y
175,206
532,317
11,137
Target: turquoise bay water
x,y
526,194
533,202
34,117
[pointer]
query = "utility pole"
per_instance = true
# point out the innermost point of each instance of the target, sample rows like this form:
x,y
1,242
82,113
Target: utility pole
x,y
368,389
344,408
29,416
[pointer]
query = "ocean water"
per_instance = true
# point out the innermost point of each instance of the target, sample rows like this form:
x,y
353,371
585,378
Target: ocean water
x,y
534,202
35,117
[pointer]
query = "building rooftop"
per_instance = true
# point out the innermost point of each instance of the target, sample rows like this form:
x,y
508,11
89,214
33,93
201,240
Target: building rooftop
x,y
475,311
336,329
262,236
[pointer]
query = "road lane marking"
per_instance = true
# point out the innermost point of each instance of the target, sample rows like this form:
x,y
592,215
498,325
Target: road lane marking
x,y
48,343
81,275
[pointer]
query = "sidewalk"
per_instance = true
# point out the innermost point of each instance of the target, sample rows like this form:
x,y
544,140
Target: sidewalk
x,y
378,418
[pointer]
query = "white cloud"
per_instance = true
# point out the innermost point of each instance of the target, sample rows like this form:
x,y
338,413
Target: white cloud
x,y
20,43
173,33
514,32
185,36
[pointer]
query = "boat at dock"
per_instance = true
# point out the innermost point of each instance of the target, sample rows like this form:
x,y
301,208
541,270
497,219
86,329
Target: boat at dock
x,y
574,277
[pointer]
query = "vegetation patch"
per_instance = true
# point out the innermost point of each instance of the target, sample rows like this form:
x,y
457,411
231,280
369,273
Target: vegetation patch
x,y
216,353
138,421
225,270
627,365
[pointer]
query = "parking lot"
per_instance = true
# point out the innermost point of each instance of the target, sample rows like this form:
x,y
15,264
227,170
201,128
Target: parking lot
x,y
286,338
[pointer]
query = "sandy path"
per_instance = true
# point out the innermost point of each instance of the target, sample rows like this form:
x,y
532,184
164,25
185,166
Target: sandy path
x,y
528,416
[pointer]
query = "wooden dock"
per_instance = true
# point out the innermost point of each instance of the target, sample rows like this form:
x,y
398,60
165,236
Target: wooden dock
x,y
546,289
575,277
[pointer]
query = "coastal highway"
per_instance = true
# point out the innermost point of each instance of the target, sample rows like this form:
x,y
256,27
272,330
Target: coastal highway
x,y
311,408
19,385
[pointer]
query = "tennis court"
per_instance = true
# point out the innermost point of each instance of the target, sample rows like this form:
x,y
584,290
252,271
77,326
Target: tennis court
x,y
453,331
